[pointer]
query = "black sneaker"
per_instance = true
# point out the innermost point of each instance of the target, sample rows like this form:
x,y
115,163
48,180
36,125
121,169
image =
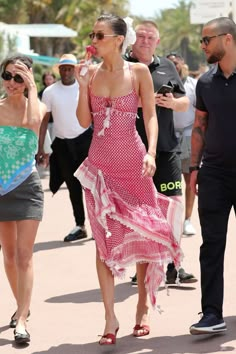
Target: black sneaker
x,y
134,280
171,276
186,277
183,277
76,234
208,324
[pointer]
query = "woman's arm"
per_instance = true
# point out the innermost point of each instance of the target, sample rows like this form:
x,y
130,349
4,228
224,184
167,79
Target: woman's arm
x,y
35,110
83,110
146,92
41,154
34,113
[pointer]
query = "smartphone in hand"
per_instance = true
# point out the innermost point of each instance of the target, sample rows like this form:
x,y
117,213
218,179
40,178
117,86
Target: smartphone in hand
x,y
165,89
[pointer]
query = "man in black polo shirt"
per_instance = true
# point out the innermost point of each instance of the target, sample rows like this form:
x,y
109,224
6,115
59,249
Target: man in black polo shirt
x,y
214,143
167,178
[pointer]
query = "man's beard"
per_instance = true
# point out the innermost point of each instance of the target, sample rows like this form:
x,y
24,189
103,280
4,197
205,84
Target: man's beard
x,y
215,57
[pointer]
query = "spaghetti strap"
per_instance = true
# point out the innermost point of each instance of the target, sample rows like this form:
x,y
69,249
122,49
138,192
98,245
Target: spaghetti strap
x,y
92,77
98,66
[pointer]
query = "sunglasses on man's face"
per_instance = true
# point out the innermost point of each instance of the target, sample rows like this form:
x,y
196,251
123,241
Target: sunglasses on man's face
x,y
7,76
206,40
100,35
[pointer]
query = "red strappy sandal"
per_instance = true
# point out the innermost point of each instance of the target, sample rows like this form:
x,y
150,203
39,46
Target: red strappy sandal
x,y
144,328
109,338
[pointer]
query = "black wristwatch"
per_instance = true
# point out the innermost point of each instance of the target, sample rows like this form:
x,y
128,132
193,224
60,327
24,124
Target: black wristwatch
x,y
194,168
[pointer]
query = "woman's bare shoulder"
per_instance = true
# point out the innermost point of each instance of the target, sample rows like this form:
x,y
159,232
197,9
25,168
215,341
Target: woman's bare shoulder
x,y
140,70
3,109
139,66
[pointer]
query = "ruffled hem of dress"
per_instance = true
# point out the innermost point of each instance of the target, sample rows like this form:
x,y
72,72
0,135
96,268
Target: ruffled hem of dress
x,y
156,247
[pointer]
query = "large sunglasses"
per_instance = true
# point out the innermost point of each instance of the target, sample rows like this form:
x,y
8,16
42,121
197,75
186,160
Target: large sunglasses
x,y
7,76
100,35
206,40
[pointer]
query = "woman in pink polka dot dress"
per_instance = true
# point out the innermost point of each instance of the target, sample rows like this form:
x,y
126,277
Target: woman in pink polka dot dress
x,y
130,221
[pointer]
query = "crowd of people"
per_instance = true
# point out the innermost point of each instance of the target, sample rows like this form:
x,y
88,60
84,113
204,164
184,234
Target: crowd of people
x,y
126,146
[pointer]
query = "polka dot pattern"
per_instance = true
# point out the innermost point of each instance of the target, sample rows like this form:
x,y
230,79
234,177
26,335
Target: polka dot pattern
x,y
130,221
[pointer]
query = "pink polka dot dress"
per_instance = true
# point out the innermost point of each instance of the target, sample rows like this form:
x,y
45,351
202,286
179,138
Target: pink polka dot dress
x,y
130,221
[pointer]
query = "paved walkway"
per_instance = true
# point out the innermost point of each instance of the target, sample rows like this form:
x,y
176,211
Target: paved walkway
x,y
67,312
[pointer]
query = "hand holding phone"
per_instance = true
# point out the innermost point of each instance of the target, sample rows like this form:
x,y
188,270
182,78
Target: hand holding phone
x,y
165,89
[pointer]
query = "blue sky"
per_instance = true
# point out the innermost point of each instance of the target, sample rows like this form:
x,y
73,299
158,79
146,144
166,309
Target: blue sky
x,y
147,8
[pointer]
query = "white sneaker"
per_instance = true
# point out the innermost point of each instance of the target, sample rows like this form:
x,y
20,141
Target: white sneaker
x,y
188,228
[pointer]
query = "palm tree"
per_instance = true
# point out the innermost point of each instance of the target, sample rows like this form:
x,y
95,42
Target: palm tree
x,y
12,11
76,14
177,33
80,15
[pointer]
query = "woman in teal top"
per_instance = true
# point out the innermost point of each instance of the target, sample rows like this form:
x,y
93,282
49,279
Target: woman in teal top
x,y
21,195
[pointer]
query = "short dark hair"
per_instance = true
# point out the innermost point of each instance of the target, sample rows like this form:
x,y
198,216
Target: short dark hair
x,y
14,58
223,25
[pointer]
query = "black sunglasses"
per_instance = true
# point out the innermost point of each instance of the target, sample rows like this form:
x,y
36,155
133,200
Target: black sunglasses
x,y
206,40
7,76
99,35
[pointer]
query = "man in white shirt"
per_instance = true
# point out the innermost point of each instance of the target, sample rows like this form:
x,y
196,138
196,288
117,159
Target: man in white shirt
x,y
71,144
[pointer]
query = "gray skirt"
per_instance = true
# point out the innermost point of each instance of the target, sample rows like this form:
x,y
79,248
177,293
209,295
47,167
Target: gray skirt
x,y
24,202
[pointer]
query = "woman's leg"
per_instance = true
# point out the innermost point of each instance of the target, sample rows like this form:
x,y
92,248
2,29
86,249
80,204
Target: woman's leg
x,y
26,234
106,281
142,315
8,241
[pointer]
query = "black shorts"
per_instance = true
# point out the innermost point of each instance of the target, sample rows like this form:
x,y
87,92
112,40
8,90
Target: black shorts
x,y
167,178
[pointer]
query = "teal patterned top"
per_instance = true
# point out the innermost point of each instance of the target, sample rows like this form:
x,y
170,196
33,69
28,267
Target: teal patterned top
x,y
18,147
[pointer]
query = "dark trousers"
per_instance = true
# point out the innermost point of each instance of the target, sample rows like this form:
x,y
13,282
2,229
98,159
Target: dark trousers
x,y
68,154
216,196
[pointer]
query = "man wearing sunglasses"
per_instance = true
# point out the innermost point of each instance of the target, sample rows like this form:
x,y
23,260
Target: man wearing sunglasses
x,y
71,143
214,143
167,178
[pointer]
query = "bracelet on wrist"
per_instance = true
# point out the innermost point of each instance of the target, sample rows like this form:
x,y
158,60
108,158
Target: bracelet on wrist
x,y
194,168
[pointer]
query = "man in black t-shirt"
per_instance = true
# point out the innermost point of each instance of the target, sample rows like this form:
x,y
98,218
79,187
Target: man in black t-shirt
x,y
167,178
214,147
